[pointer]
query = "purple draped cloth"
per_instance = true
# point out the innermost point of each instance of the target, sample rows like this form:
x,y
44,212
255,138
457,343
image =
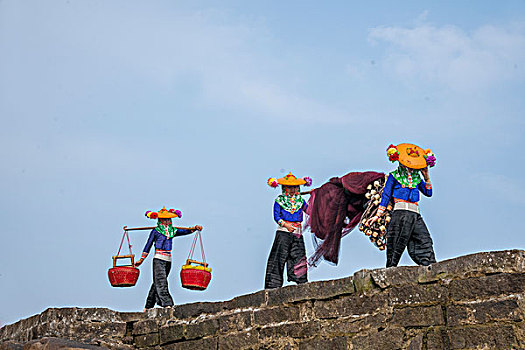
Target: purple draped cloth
x,y
334,209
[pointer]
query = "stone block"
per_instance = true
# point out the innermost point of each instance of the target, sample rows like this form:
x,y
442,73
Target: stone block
x,y
95,314
487,286
363,282
202,329
356,305
482,337
411,295
11,345
291,330
437,338
145,326
100,330
235,322
199,344
237,341
246,301
395,276
484,312
418,316
131,316
171,333
275,315
159,313
336,343
354,325
146,340
416,343
478,264
387,339
310,291
196,309
58,343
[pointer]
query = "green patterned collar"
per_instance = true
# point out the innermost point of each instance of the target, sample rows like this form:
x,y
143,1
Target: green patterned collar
x,y
401,174
290,203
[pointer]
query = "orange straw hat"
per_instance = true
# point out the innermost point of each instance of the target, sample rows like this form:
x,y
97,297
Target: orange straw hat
x,y
289,180
164,214
412,156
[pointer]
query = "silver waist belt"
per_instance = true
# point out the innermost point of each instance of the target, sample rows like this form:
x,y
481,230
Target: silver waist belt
x,y
406,206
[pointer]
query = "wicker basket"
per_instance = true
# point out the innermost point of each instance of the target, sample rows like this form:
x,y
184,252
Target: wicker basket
x,y
195,277
123,276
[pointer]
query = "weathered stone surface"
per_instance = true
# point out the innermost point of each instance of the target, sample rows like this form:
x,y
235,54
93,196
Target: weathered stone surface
x,y
246,301
479,264
416,343
292,330
309,291
162,313
353,305
418,294
437,338
11,345
363,281
147,340
145,326
58,343
487,337
387,339
485,312
354,325
473,302
395,276
196,309
237,341
487,286
202,328
101,329
275,315
235,322
337,343
418,316
132,316
200,344
171,333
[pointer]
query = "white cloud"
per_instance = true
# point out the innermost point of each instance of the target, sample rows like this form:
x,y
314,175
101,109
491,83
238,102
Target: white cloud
x,y
232,60
453,57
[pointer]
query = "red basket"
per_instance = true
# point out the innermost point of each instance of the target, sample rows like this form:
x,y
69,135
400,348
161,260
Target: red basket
x,y
123,276
195,279
192,278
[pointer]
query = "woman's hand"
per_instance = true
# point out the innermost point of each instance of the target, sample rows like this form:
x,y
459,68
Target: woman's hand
x,y
137,263
289,227
197,228
425,173
372,220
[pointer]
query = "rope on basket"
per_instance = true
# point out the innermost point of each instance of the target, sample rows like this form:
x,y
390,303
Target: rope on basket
x,y
190,256
122,241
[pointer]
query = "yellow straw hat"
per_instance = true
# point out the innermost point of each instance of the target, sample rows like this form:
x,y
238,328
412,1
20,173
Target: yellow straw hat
x,y
289,180
412,156
164,214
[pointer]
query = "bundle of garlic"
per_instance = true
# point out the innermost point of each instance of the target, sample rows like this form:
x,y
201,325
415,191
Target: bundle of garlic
x,y
377,231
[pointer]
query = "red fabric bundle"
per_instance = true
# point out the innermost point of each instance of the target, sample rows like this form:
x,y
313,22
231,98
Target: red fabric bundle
x,y
334,209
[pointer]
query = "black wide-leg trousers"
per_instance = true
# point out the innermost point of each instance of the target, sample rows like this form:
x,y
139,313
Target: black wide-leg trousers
x,y
290,250
408,230
159,293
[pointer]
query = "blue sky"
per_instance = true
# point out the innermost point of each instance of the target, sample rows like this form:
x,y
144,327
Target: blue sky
x,y
109,109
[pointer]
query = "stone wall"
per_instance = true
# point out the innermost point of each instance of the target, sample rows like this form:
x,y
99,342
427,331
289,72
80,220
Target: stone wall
x,y
471,302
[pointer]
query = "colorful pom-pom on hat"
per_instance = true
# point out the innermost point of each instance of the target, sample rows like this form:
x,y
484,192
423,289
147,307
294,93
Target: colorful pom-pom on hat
x,y
164,214
289,180
411,156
